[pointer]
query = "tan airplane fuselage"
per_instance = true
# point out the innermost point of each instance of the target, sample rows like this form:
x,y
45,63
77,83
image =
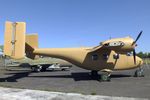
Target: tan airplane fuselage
x,y
83,58
98,58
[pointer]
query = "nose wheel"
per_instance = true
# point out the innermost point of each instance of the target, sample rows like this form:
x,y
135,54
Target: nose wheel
x,y
139,72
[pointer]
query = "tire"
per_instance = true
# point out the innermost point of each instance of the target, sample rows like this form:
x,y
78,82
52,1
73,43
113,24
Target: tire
x,y
139,73
105,78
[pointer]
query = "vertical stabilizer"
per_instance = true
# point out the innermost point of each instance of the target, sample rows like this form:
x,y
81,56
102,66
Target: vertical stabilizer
x,y
14,39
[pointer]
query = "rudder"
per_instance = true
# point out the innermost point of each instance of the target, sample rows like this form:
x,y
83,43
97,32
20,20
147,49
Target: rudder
x,y
14,39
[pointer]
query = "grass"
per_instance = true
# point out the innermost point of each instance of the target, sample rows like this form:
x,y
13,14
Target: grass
x,y
5,85
146,61
47,60
40,60
93,93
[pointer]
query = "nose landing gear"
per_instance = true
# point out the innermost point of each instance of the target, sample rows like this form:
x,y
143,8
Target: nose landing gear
x,y
139,72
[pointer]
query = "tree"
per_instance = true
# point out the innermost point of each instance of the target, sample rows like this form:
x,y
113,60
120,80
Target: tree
x,y
143,55
140,54
148,55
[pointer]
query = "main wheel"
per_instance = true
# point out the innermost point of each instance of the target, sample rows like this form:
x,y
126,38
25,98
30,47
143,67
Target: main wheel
x,y
105,77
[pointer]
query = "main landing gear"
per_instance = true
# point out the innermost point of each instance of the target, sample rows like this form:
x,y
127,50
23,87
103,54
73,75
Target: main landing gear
x,y
139,72
104,77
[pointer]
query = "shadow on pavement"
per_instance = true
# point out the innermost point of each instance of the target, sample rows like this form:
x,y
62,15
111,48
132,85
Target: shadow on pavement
x,y
120,76
14,76
81,76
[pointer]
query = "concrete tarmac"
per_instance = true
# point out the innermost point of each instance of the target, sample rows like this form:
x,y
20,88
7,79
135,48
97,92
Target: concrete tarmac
x,y
78,80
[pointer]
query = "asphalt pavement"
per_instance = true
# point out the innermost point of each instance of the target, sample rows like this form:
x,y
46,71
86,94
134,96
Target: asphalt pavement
x,y
77,80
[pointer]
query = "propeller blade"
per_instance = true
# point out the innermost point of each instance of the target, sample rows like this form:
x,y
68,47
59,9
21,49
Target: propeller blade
x,y
134,56
137,38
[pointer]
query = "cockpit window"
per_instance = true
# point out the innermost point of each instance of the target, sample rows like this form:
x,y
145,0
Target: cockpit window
x,y
105,56
114,44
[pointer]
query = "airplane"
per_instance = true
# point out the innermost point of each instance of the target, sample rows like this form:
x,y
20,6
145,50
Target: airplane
x,y
110,55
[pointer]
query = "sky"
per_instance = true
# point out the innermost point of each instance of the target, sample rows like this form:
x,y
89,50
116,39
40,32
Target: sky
x,y
79,23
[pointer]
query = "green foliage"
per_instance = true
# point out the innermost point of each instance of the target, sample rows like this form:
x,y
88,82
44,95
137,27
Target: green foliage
x,y
1,48
143,55
148,55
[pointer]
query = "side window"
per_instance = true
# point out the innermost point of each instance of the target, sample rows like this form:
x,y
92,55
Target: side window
x,y
95,57
105,56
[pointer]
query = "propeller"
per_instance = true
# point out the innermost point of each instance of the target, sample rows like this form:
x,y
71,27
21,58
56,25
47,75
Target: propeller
x,y
137,38
134,56
134,43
